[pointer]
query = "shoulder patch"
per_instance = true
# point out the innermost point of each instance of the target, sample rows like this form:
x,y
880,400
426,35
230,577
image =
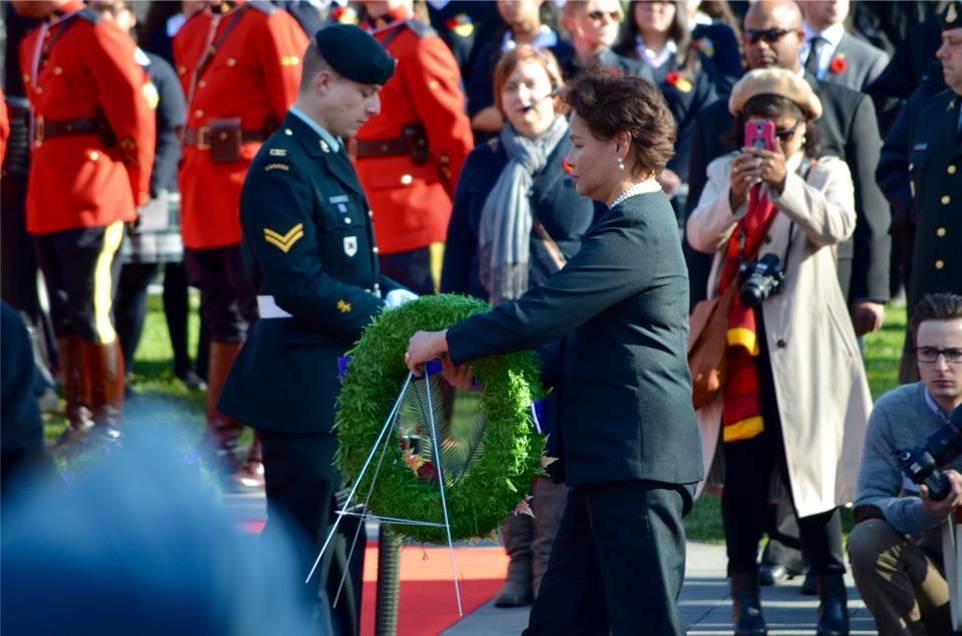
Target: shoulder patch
x,y
264,7
277,166
421,29
278,152
284,242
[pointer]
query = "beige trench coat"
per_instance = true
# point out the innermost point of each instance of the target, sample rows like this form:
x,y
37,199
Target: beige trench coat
x,y
820,384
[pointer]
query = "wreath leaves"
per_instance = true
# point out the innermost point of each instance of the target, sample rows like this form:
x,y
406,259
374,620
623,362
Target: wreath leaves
x,y
506,447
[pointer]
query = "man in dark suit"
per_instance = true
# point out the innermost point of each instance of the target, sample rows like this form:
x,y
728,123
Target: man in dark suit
x,y
847,129
832,54
309,245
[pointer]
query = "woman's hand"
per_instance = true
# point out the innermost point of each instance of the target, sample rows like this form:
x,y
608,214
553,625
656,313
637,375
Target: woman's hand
x,y
771,166
423,347
460,377
745,173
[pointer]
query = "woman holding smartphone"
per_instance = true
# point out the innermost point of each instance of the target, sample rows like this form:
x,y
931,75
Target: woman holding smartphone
x,y
795,399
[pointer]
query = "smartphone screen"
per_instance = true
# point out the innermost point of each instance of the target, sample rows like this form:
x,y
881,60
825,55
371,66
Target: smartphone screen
x,y
760,133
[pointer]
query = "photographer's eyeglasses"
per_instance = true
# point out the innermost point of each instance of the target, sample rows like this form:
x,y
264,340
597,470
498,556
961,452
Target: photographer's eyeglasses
x,y
931,354
769,35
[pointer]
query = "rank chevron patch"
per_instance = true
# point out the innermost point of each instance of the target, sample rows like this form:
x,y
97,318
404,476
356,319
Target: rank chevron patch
x,y
284,242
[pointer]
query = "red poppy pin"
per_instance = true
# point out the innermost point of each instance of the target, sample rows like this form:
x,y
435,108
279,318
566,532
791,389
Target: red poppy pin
x,y
679,82
567,166
460,25
838,65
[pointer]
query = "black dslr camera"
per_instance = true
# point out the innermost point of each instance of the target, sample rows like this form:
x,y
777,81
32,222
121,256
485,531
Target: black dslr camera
x,y
760,279
921,464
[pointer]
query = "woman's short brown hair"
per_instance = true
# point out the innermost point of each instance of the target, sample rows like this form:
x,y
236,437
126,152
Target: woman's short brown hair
x,y
609,104
510,60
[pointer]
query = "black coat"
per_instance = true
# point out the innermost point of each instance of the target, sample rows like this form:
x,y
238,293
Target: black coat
x,y
719,43
565,215
464,26
170,115
622,308
848,130
308,241
686,93
912,63
480,82
22,449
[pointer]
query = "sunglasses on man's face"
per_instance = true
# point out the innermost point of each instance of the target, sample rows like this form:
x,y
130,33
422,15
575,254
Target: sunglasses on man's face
x,y
769,35
598,16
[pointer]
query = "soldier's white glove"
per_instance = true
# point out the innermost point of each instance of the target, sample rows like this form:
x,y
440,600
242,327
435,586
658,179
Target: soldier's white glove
x,y
397,297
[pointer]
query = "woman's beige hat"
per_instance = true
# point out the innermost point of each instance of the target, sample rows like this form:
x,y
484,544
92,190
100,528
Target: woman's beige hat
x,y
775,81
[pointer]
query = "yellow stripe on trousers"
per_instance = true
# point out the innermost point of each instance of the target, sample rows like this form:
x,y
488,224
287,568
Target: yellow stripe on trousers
x,y
103,282
435,261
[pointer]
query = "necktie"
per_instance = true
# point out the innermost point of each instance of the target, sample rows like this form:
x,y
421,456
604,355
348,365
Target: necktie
x,y
814,49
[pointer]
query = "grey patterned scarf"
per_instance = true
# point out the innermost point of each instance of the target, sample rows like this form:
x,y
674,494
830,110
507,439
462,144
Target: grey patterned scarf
x,y
504,233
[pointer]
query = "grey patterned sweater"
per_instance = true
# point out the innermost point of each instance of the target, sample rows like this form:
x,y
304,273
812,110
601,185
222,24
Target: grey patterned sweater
x,y
900,419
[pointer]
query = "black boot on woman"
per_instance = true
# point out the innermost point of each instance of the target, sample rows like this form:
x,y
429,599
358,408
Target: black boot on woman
x,y
747,606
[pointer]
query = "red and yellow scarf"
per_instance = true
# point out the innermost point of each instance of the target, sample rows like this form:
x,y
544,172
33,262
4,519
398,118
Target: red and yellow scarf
x,y
742,410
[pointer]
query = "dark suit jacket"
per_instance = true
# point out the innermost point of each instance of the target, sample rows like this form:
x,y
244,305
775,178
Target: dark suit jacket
x,y
308,242
848,130
625,390
863,62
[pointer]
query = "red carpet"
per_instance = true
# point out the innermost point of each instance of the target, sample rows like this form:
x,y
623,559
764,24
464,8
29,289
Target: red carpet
x,y
427,603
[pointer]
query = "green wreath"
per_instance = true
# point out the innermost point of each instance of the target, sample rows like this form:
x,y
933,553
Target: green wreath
x,y
506,457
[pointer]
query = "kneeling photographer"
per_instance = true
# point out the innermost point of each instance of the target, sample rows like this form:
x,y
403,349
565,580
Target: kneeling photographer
x,y
909,481
793,399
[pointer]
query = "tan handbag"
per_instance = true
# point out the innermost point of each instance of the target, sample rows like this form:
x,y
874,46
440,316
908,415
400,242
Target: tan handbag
x,y
707,342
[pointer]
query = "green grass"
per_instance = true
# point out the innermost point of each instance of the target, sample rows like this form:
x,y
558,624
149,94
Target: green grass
x,y
162,397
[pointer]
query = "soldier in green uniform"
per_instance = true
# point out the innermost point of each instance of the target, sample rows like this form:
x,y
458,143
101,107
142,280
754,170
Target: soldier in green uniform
x,y
920,171
309,246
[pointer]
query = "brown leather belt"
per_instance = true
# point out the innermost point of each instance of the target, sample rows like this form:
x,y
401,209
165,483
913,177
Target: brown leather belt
x,y
200,137
45,129
382,147
412,142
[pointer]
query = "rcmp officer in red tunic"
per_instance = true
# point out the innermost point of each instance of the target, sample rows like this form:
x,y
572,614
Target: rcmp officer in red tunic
x,y
409,157
239,65
93,145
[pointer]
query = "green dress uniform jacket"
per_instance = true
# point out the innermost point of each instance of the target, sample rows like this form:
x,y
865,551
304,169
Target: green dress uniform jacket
x,y
621,305
309,244
935,166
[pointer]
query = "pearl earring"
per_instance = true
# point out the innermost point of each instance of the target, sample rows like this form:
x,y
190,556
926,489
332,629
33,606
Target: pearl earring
x,y
621,163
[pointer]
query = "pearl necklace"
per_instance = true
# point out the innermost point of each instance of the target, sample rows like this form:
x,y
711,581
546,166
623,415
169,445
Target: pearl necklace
x,y
643,187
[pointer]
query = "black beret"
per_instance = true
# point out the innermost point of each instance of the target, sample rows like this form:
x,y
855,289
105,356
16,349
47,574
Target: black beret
x,y
354,53
952,16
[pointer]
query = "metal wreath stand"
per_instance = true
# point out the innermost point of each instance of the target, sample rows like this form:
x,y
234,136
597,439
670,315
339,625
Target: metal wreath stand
x,y
389,543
